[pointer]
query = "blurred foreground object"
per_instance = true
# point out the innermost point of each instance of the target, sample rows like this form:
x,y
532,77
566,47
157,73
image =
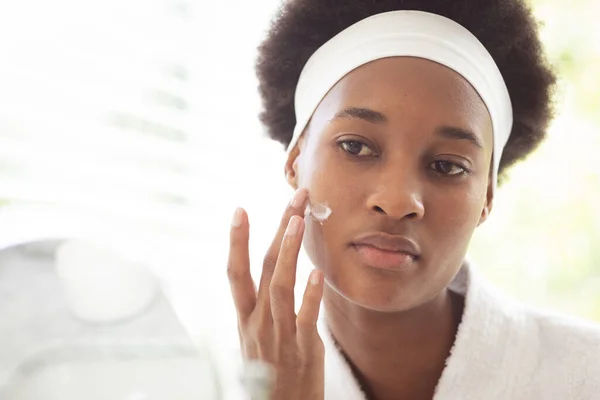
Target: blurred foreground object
x,y
50,350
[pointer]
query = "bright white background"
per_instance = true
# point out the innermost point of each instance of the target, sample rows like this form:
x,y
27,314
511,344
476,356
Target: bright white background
x,y
75,161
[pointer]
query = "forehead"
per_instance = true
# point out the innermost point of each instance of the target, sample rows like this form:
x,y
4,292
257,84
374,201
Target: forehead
x,y
410,89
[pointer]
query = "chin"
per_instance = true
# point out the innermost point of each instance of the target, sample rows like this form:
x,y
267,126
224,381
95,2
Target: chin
x,y
382,291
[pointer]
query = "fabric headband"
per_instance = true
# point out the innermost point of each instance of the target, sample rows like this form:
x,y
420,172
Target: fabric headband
x,y
406,33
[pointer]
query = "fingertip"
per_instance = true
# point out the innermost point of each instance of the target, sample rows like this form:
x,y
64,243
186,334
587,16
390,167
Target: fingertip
x,y
311,304
314,288
316,277
239,216
299,199
239,231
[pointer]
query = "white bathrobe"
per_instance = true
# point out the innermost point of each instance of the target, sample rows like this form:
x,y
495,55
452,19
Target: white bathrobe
x,y
502,351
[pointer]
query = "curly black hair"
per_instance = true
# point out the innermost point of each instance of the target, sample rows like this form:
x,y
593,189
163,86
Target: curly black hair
x,y
506,28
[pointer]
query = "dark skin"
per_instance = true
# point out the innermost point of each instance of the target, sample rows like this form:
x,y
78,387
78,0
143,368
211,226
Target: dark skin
x,y
401,146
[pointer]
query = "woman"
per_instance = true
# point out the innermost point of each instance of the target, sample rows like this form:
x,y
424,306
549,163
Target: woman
x,y
400,115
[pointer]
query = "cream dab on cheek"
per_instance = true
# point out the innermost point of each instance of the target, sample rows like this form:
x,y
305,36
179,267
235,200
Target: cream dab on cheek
x,y
318,211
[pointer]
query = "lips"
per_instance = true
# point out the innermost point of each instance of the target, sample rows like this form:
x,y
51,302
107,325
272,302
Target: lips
x,y
385,251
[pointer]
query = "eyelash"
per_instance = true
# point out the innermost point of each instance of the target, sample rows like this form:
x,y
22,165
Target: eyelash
x,y
463,170
433,165
343,143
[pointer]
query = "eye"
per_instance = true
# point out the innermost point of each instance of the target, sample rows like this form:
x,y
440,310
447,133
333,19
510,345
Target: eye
x,y
448,168
356,148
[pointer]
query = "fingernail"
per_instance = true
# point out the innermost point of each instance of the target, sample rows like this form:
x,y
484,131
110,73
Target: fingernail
x,y
298,198
237,218
315,277
293,226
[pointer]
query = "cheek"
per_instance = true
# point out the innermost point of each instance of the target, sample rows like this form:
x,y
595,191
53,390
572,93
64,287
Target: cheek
x,y
327,182
455,215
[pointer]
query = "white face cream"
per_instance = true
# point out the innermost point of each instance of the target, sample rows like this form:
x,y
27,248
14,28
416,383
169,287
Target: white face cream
x,y
318,211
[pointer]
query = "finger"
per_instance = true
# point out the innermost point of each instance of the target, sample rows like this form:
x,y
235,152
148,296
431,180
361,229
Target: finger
x,y
284,278
247,347
306,323
238,266
296,207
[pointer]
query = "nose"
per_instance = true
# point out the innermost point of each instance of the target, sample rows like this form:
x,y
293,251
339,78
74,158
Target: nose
x,y
397,194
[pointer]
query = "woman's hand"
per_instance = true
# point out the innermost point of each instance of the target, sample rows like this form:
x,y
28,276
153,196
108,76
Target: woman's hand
x,y
270,331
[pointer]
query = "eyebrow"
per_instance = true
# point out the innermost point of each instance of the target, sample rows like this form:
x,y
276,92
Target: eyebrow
x,y
451,132
375,117
366,114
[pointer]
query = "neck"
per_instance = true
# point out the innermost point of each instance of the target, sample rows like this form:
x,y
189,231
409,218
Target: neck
x,y
396,355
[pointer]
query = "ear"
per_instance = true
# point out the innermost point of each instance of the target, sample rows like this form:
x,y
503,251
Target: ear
x,y
487,206
291,167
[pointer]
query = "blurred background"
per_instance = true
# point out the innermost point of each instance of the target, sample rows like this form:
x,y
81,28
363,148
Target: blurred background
x,y
133,125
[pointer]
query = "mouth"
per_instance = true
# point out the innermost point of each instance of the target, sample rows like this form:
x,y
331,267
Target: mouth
x,y
384,259
384,251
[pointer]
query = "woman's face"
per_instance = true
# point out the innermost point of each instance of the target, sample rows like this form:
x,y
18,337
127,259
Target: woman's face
x,y
400,149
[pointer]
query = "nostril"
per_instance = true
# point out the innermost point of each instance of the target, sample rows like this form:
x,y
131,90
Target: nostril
x,y
380,210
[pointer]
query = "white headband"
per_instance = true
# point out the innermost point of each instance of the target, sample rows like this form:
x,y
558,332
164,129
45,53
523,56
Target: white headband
x,y
406,33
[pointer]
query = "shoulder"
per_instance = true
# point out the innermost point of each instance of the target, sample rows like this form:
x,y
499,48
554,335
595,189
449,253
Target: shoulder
x,y
546,354
552,336
550,330
566,351
566,336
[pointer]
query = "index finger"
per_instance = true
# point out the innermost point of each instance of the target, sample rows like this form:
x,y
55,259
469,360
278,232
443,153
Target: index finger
x,y
296,207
